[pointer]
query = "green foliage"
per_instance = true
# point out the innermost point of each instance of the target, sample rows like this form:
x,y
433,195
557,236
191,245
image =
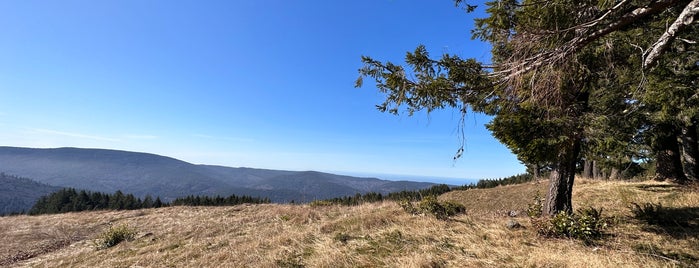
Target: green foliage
x,y
566,80
231,200
72,200
492,183
536,209
407,206
114,235
585,224
430,205
441,210
531,135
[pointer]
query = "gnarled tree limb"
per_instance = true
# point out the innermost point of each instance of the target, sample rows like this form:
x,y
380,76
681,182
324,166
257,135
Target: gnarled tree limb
x,y
683,20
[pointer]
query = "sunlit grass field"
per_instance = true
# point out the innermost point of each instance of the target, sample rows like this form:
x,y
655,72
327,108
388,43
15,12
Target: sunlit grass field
x,y
371,235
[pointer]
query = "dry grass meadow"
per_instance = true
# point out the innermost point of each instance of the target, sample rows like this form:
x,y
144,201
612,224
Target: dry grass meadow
x,y
369,235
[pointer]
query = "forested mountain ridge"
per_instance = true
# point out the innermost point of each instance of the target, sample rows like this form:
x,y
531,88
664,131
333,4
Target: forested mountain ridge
x,y
19,194
148,174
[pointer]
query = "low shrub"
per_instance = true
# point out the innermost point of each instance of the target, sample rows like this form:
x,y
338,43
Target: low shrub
x,y
536,209
113,236
430,205
586,224
321,203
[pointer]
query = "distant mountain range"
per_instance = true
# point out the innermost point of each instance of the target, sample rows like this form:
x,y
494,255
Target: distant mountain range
x,y
149,174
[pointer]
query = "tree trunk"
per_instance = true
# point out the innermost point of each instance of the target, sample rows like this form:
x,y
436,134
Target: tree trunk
x,y
690,150
587,169
560,194
668,163
596,172
614,174
535,170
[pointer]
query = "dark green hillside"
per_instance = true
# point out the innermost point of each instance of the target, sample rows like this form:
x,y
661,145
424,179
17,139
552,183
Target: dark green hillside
x,y
18,194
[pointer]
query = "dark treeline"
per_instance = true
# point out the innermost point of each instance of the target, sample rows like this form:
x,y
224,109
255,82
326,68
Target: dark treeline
x,y
419,194
72,200
492,183
377,197
218,200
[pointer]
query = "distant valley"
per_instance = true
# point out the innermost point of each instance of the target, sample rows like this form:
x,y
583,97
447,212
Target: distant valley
x,y
148,174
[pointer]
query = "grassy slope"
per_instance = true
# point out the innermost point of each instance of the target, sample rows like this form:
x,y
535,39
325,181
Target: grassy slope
x,y
364,236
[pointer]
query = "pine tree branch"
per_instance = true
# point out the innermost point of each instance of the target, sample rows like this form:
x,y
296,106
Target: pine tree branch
x,y
683,20
523,66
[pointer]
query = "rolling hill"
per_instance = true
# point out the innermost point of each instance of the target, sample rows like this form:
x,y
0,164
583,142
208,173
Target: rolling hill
x,y
149,174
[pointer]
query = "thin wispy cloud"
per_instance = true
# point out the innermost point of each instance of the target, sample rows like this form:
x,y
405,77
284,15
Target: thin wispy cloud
x,y
73,135
141,137
209,137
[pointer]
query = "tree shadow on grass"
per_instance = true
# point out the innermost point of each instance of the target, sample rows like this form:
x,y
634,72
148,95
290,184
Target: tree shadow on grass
x,y
678,222
658,188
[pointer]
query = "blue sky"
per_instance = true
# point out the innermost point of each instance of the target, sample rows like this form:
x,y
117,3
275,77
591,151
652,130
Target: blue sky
x,y
265,84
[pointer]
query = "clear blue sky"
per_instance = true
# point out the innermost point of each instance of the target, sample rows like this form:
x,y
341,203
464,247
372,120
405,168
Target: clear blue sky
x,y
265,84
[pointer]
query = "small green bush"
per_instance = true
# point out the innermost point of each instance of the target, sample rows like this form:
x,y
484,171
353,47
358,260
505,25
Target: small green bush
x,y
430,205
586,224
321,203
536,209
114,236
408,206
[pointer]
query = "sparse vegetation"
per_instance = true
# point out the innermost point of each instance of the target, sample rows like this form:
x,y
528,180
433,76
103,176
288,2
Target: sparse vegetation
x,y
114,235
430,205
368,235
441,210
536,208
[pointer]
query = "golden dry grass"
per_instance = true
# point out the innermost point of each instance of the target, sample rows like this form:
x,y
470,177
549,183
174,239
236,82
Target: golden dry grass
x,y
370,235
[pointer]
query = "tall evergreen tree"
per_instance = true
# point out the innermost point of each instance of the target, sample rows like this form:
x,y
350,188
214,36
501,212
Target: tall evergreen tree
x,y
549,58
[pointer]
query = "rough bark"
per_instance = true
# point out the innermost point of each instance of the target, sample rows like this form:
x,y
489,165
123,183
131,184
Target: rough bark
x,y
668,162
587,169
534,169
614,174
537,171
597,173
690,150
560,194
